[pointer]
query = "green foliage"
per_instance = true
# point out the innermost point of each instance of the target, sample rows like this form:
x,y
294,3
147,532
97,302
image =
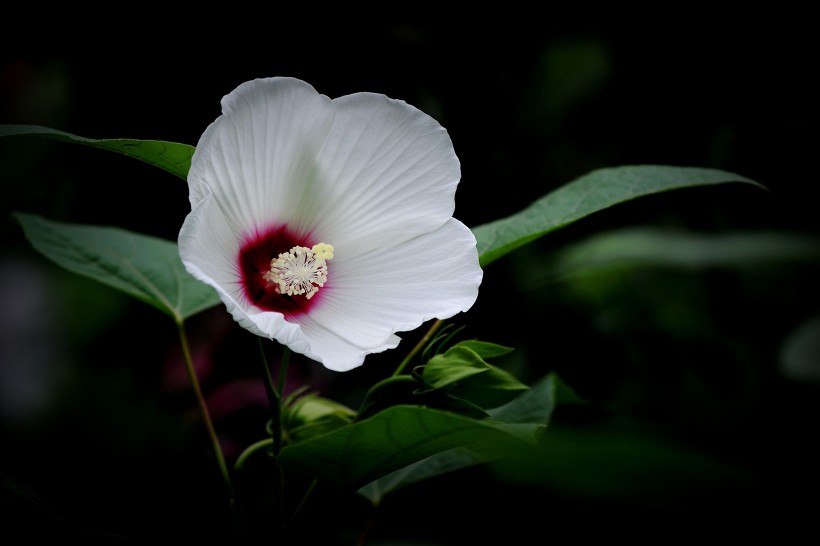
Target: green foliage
x,y
405,444
527,416
147,268
311,415
583,196
169,156
462,372
441,463
652,246
355,455
457,410
617,460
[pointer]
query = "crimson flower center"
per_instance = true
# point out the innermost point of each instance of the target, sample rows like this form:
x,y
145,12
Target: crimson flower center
x,y
282,271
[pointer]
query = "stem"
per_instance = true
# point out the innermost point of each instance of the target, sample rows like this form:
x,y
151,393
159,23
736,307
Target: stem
x,y
251,450
283,370
419,346
371,392
397,377
275,400
206,417
310,489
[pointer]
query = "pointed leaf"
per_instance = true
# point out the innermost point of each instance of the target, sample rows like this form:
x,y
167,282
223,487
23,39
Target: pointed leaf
x,y
677,248
356,455
170,156
590,193
311,415
435,465
456,364
464,374
144,267
533,407
489,390
485,349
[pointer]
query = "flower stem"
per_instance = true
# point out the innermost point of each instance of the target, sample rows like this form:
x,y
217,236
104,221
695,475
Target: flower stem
x,y
261,445
369,396
206,417
304,500
275,401
419,346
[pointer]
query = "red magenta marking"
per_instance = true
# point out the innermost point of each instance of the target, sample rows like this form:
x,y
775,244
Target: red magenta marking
x,y
255,255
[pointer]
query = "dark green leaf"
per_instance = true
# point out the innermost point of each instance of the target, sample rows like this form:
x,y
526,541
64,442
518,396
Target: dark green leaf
x,y
435,465
147,268
651,246
170,156
533,409
485,349
532,406
311,415
358,454
617,460
464,374
590,193
454,365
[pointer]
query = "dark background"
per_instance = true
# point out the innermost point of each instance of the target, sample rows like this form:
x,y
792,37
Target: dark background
x,y
694,423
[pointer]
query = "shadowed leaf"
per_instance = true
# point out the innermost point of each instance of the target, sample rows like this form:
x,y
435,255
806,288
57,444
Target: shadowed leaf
x,y
590,193
169,156
147,268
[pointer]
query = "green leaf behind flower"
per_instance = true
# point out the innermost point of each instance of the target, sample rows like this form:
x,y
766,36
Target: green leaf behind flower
x,y
531,410
147,268
651,246
355,455
311,415
595,191
169,156
463,373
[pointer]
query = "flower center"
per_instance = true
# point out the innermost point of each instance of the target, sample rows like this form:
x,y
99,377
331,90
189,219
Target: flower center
x,y
300,271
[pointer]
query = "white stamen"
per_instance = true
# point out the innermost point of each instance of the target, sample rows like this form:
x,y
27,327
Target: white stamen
x,y
301,270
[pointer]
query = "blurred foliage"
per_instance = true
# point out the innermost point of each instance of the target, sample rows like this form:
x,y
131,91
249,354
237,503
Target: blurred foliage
x,y
693,360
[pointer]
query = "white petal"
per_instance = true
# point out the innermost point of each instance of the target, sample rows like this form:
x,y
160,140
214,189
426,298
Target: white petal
x,y
394,289
391,174
208,247
258,157
337,353
370,175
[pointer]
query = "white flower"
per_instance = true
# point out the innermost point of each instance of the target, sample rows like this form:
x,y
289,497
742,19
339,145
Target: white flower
x,y
327,224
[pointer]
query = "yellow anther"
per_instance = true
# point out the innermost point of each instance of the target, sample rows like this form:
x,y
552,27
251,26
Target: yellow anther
x,y
323,251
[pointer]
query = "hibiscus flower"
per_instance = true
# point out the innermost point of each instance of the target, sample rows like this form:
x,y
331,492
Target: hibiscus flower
x,y
328,225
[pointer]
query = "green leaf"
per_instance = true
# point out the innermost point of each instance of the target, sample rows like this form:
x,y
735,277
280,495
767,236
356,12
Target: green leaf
x,y
485,349
311,415
169,156
311,407
147,268
456,364
590,193
533,406
533,409
681,249
435,465
356,455
616,459
464,374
